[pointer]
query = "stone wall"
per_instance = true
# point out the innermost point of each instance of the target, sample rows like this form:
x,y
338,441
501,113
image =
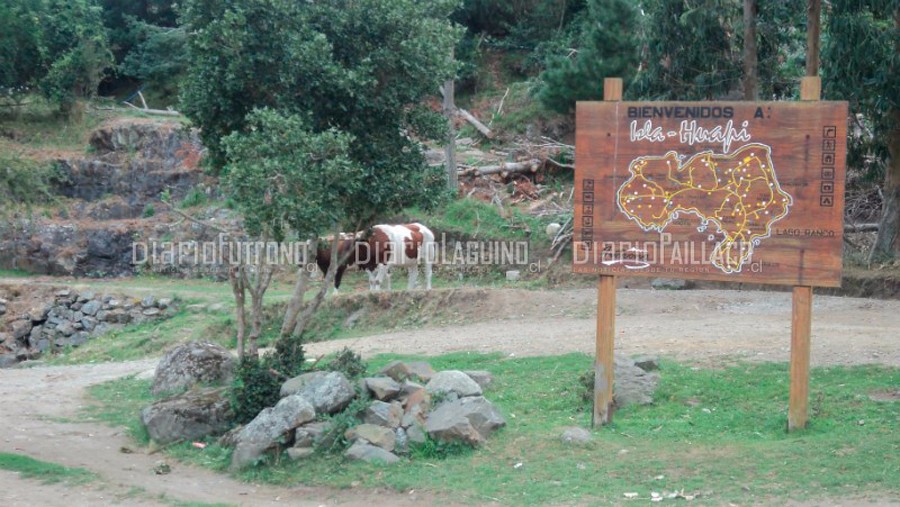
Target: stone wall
x,y
72,318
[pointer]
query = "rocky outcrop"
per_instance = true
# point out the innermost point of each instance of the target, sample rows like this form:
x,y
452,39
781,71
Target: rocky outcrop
x,y
112,202
190,364
134,160
188,416
455,382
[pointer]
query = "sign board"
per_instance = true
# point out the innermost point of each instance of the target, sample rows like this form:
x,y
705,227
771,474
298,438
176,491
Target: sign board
x,y
731,191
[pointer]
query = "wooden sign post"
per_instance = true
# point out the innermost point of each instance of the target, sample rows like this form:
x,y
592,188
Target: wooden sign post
x,y
731,191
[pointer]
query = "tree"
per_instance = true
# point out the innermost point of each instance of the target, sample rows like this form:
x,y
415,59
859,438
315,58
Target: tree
x,y
58,46
691,49
607,49
78,52
861,64
313,111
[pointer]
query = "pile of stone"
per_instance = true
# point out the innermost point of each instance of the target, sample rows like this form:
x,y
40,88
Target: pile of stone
x,y
72,318
408,403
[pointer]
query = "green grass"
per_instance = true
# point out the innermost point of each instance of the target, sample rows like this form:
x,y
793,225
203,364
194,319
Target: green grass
x,y
146,340
120,405
47,473
720,433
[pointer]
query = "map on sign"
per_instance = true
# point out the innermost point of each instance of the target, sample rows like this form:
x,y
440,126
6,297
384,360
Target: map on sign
x,y
738,193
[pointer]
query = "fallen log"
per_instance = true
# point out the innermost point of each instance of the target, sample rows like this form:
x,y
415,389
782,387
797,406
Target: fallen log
x,y
481,127
158,112
528,166
860,227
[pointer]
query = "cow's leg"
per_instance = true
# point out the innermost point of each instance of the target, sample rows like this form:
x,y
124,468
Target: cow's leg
x,y
386,276
413,275
427,275
374,282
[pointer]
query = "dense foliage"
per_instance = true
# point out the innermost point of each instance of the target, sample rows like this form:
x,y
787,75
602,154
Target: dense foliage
x,y
357,73
59,46
607,48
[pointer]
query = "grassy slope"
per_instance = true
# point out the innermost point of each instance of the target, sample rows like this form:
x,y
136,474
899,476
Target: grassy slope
x,y
720,433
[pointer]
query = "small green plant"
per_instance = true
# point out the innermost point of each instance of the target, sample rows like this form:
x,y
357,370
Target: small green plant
x,y
196,197
334,439
436,449
149,210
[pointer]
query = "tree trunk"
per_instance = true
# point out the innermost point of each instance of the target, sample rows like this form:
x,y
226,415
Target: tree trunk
x,y
449,108
887,243
813,28
296,303
326,284
258,286
236,276
751,66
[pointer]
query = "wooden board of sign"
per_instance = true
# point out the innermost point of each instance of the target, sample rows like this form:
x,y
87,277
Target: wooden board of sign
x,y
730,191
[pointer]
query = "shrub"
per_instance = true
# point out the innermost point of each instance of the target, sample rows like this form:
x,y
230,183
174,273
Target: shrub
x,y
253,389
347,362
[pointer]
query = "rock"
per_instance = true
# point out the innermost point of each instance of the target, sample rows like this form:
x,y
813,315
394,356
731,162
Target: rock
x,y
65,328
397,370
329,392
294,385
309,434
453,381
8,360
85,296
401,445
552,230
668,284
470,420
513,275
416,434
298,453
150,312
421,370
632,384
64,293
647,363
373,434
21,328
88,323
2,310
481,377
266,429
164,303
383,388
576,436
216,308
39,313
79,338
370,454
384,414
189,416
148,302
190,364
413,395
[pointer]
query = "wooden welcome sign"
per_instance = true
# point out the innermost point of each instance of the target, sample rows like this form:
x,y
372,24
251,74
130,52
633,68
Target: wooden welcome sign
x,y
733,191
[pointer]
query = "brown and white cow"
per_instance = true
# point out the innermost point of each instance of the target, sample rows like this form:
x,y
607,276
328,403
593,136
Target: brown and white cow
x,y
379,249
387,246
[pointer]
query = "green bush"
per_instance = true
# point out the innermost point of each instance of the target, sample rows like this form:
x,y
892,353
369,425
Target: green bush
x,y
253,389
347,362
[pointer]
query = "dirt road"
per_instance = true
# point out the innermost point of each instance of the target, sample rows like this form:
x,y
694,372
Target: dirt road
x,y
704,326
708,327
